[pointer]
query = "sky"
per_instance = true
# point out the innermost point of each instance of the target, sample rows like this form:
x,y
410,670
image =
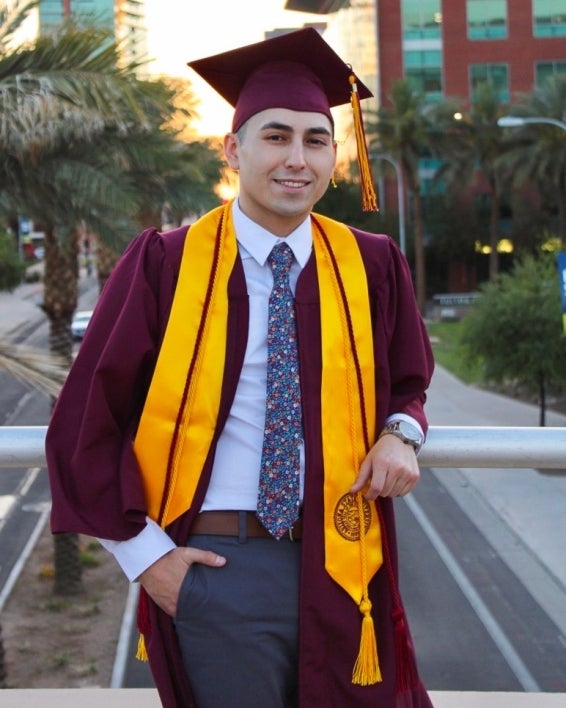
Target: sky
x,y
182,30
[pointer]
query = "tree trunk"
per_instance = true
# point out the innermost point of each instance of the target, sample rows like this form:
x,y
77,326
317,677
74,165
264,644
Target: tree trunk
x,y
494,236
542,400
420,273
67,564
60,299
106,259
3,683
562,216
60,291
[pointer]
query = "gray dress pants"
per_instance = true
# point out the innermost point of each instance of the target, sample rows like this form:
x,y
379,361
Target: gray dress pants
x,y
238,625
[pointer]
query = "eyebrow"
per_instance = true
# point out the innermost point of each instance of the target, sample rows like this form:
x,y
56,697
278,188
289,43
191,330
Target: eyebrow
x,y
275,125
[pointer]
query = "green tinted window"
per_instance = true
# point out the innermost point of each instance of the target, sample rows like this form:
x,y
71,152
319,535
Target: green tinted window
x,y
546,69
418,58
421,19
496,74
549,18
487,19
427,81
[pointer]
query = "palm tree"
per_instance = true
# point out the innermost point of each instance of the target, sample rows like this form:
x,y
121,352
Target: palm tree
x,y
538,151
55,96
403,131
471,149
81,141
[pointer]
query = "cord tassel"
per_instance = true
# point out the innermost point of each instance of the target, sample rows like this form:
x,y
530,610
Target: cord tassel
x,y
366,669
369,198
407,677
144,624
141,653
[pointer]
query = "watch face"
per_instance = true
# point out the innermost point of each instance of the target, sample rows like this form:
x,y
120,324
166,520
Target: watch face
x,y
410,432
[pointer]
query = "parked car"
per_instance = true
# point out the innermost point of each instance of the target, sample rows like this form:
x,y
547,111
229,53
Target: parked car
x,y
79,324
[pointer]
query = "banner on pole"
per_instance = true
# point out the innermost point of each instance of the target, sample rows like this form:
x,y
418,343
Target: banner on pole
x,y
561,258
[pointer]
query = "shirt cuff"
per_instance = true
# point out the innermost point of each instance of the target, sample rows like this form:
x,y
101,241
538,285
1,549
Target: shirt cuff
x,y
412,421
136,554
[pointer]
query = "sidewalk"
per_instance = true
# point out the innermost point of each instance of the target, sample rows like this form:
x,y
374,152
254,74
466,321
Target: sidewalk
x,y
21,307
520,511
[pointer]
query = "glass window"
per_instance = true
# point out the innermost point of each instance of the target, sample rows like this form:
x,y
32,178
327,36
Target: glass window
x,y
487,19
549,18
427,81
496,74
425,57
422,19
546,69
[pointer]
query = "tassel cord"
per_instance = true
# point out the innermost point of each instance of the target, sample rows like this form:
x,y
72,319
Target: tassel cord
x,y
369,198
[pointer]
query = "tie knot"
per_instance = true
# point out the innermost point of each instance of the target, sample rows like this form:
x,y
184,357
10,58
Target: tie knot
x,y
280,259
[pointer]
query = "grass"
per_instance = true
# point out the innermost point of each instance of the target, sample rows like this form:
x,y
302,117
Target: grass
x,y
450,353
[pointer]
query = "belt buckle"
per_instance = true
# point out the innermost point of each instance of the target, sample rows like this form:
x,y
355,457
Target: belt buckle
x,y
290,532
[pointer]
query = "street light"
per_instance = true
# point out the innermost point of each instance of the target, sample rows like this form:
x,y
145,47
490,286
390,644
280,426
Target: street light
x,y
400,196
517,121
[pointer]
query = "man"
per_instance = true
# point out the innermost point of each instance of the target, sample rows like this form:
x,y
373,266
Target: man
x,y
241,414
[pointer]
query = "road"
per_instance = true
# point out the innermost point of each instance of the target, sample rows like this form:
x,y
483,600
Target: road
x,y
466,580
24,494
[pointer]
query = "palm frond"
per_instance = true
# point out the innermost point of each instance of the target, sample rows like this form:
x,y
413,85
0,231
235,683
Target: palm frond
x,y
34,367
11,18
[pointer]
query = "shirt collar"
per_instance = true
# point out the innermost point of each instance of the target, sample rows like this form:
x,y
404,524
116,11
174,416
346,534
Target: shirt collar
x,y
258,242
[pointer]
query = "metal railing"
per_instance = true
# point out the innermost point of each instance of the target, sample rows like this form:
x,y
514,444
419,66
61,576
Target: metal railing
x,y
457,446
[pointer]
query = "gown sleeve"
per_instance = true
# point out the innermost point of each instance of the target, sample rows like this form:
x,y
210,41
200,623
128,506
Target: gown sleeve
x,y
94,477
403,354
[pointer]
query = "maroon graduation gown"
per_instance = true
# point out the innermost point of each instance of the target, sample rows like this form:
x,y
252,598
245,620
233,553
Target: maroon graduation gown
x,y
95,482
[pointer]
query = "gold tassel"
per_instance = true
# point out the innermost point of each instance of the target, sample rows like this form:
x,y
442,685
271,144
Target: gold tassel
x,y
141,654
366,669
369,198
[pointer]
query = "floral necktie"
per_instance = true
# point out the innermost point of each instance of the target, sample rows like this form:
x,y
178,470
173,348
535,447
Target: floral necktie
x,y
278,498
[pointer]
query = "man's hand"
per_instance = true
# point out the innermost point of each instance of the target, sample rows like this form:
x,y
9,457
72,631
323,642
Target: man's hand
x,y
162,580
390,468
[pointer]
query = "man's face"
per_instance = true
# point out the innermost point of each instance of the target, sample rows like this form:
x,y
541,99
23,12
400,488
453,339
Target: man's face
x,y
285,160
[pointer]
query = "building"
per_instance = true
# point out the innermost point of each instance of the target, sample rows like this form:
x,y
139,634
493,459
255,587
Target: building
x,y
447,47
125,19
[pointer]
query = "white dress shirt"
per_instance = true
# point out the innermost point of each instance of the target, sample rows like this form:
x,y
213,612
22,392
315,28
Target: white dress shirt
x,y
235,472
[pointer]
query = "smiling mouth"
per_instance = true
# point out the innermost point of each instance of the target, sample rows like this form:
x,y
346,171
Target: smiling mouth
x,y
291,183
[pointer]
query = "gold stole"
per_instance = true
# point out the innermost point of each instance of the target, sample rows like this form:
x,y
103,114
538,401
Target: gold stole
x,y
180,413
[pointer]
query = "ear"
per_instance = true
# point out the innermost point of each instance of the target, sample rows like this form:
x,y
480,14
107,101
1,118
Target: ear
x,y
231,146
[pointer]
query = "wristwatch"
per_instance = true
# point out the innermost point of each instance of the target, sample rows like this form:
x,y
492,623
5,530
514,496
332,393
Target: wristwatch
x,y
403,430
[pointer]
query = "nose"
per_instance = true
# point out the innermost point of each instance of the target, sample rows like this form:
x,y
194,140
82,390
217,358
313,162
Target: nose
x,y
296,154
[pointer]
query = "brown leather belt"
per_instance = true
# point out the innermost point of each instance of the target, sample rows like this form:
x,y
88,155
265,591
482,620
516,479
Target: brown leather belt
x,y
237,523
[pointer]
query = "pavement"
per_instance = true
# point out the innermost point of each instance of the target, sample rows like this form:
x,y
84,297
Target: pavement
x,y
21,307
520,511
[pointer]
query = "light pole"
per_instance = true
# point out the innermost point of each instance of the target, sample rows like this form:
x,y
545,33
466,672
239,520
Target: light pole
x,y
400,197
517,121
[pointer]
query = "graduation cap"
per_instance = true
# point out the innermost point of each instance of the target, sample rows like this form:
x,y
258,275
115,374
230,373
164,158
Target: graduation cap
x,y
297,70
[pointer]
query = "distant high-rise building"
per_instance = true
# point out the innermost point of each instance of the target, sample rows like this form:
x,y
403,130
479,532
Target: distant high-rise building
x,y
124,18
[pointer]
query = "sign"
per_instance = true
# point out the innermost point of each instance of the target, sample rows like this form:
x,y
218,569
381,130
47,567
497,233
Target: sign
x,y
24,226
561,259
